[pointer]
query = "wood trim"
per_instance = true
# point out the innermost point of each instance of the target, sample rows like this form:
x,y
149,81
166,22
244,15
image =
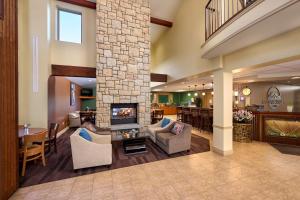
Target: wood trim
x,y
9,173
161,22
158,77
1,9
259,127
73,71
82,3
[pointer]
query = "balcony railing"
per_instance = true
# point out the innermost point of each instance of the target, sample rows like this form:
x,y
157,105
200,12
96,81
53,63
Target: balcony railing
x,y
220,12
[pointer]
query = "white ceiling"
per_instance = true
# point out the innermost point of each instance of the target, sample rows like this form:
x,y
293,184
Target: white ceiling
x,y
288,73
83,82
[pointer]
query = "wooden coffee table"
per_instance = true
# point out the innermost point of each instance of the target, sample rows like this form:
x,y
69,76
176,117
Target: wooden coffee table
x,y
134,143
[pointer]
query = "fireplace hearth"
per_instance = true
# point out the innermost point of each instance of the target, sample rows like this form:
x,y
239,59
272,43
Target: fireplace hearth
x,y
123,113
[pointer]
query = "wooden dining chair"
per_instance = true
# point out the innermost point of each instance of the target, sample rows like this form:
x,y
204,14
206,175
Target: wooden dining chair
x,y
51,139
33,149
158,115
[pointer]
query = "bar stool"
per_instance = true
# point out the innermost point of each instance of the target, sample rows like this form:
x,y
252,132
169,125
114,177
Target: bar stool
x,y
195,117
187,115
211,120
179,113
204,120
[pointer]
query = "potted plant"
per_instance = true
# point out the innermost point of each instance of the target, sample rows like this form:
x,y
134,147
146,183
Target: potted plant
x,y
242,126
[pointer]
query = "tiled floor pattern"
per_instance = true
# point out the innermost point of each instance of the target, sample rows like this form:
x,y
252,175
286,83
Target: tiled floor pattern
x,y
255,171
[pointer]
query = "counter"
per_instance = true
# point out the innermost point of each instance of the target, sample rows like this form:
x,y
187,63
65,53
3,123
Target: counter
x,y
277,127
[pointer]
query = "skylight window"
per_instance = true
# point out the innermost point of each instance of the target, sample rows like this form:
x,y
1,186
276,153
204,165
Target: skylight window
x,y
69,26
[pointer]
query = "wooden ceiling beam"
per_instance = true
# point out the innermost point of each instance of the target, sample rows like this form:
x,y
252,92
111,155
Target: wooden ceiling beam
x,y
161,22
158,77
83,3
88,4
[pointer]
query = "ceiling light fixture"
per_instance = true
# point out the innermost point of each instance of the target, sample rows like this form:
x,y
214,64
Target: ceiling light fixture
x,y
203,93
196,93
189,94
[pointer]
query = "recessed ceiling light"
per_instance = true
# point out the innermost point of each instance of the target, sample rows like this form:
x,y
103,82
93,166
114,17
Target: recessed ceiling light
x,y
211,76
157,90
180,90
296,77
90,80
250,81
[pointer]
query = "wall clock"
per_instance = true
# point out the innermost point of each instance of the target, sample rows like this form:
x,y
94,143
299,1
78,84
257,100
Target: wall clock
x,y
246,91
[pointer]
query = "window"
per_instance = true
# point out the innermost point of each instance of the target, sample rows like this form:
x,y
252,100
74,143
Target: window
x,y
69,26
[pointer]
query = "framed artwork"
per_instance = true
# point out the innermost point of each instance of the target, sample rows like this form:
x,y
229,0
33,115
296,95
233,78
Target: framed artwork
x,y
72,94
1,9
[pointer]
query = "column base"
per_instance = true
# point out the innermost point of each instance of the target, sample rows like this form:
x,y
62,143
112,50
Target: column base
x,y
221,152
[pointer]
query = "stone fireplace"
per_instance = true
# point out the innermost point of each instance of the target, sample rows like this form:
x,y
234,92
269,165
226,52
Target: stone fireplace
x,y
123,56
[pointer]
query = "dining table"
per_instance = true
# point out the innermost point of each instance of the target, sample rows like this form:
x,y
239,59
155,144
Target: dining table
x,y
31,131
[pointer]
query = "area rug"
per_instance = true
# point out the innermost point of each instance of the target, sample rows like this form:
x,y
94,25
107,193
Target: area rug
x,y
287,149
59,166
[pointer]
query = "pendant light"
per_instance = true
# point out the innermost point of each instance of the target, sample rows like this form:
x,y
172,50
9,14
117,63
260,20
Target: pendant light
x,y
212,87
189,94
196,93
203,93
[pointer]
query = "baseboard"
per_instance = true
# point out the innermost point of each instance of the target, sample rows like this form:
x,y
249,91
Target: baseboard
x,y
221,152
62,131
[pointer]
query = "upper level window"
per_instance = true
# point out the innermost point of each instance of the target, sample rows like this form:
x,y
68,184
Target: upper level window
x,y
69,26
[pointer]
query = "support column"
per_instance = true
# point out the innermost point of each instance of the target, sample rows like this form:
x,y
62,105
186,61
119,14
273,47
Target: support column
x,y
222,128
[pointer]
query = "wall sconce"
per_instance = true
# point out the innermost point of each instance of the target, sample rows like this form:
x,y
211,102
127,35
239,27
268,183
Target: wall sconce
x,y
35,64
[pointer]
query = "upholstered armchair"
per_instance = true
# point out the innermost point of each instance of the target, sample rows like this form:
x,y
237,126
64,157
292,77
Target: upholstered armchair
x,y
154,128
90,153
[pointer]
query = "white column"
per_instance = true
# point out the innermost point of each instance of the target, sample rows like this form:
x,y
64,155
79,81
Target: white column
x,y
222,136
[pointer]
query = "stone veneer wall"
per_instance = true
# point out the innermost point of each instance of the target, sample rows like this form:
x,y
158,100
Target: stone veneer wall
x,y
123,57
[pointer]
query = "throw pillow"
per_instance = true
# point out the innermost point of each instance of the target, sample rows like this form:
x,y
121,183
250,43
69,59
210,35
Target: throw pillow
x,y
84,134
165,122
177,128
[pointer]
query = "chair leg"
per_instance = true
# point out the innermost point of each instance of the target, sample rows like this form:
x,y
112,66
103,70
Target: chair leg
x,y
55,147
43,159
24,166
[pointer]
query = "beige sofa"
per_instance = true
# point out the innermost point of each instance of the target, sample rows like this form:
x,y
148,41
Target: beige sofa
x,y
90,154
168,141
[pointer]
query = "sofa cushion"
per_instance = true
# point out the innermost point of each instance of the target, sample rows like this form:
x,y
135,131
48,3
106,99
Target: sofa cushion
x,y
84,134
164,138
165,122
177,128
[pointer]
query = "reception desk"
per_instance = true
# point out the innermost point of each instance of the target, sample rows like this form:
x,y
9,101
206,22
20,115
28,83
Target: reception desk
x,y
277,127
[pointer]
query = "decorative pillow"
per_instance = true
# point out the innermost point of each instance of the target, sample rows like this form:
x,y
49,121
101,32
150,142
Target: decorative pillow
x,y
84,134
177,128
165,122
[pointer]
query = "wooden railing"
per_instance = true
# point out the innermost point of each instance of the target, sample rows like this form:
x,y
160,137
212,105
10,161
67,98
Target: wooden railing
x,y
219,12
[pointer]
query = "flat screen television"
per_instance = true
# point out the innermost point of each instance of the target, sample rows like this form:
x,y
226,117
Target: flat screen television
x,y
86,92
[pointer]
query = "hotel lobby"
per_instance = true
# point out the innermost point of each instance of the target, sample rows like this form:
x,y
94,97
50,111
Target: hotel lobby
x,y
149,99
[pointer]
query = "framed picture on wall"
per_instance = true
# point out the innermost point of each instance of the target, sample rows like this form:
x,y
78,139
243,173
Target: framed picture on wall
x,y
1,9
72,94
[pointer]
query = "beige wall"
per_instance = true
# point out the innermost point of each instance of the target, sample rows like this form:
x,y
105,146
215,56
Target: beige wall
x,y
259,95
178,52
37,18
33,15
66,53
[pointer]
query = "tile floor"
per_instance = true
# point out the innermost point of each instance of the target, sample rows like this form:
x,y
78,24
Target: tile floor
x,y
254,171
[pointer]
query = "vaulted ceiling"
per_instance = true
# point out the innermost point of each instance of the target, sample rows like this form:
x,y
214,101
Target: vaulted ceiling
x,y
163,10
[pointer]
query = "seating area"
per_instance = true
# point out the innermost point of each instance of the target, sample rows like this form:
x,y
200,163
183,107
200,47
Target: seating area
x,y
149,99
